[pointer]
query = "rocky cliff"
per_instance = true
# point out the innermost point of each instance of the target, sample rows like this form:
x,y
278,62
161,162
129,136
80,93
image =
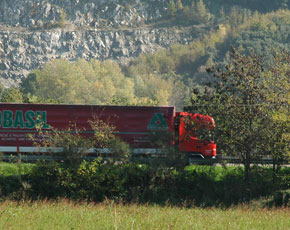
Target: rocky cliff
x,y
33,32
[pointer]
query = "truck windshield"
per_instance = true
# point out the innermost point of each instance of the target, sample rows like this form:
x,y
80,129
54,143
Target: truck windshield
x,y
206,135
199,128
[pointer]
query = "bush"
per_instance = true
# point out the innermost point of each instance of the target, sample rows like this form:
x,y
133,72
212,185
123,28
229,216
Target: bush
x,y
71,146
92,181
45,179
10,186
97,180
120,150
68,145
137,178
281,198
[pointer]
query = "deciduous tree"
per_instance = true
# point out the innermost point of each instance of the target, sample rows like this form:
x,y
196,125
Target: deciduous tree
x,y
12,95
91,82
248,122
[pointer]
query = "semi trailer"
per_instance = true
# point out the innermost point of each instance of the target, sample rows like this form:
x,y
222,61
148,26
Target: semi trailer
x,y
192,133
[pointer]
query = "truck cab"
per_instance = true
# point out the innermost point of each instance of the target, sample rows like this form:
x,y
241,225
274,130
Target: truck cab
x,y
195,134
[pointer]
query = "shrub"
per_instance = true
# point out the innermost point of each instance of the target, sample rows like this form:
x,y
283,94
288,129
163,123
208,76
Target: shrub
x,y
92,181
281,198
45,180
71,146
120,150
9,186
68,145
97,180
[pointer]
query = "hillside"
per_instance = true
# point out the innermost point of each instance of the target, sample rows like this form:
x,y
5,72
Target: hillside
x,y
33,32
161,47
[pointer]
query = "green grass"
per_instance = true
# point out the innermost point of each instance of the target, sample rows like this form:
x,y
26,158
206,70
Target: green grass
x,y
67,215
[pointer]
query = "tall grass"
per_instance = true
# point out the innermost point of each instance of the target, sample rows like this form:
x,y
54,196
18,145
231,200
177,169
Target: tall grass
x,y
109,215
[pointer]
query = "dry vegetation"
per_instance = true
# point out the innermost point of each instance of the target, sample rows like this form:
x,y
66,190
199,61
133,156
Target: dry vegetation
x,y
108,215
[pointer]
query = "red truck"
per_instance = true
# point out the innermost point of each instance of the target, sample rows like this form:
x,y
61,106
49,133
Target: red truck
x,y
134,125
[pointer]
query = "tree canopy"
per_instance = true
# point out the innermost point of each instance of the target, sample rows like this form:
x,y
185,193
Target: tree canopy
x,y
91,82
250,103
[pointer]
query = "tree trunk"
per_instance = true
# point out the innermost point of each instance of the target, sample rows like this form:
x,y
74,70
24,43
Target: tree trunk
x,y
247,178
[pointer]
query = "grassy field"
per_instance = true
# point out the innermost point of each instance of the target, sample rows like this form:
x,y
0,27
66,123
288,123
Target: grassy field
x,y
67,215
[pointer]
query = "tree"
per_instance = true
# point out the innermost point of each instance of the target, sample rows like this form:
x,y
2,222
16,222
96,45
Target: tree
x,y
154,88
239,102
12,95
91,82
62,19
171,9
278,97
2,89
104,137
201,11
69,145
29,84
57,80
179,5
72,145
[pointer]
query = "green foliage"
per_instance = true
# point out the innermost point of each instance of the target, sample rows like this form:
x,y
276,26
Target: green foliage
x,y
166,76
201,11
168,155
194,12
102,180
80,82
152,77
171,9
104,137
12,95
62,19
72,145
103,132
33,99
187,63
10,186
281,198
92,181
240,104
263,33
179,5
173,71
24,94
120,151
45,180
29,84
238,17
97,181
257,5
1,89
153,88
277,85
68,145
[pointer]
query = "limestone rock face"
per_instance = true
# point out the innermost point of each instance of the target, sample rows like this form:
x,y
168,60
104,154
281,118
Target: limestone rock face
x,y
33,32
